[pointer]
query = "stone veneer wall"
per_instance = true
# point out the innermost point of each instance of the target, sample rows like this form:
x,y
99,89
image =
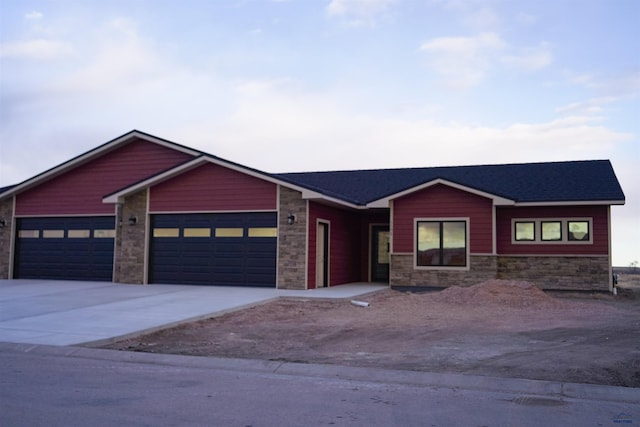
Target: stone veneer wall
x,y
404,274
558,272
292,241
547,272
130,240
6,213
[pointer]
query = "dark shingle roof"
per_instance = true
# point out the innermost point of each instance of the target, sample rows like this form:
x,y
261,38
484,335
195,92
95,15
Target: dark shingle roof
x,y
574,181
7,188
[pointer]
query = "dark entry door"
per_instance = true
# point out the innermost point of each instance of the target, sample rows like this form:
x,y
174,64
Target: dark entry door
x,y
380,253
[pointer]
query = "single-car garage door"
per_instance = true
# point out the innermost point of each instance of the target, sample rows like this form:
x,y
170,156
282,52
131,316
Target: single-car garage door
x,y
70,248
227,249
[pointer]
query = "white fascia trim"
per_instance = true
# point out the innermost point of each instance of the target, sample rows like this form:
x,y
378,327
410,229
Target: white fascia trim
x,y
83,158
497,200
574,203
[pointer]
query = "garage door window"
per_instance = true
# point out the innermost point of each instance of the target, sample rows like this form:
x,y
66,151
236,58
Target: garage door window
x,y
229,232
263,232
78,234
104,234
197,232
53,234
166,232
29,234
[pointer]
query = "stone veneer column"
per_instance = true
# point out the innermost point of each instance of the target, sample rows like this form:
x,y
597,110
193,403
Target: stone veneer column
x,y
292,241
130,240
6,213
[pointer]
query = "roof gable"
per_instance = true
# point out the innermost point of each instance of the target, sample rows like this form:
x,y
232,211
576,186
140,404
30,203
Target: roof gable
x,y
97,152
172,172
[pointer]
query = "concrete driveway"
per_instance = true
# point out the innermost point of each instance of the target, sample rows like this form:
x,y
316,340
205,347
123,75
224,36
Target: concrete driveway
x,y
73,312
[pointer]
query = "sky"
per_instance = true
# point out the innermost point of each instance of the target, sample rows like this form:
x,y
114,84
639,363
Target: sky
x,y
305,85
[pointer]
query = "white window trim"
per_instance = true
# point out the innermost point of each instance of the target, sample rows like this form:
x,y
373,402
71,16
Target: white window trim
x,y
537,238
467,222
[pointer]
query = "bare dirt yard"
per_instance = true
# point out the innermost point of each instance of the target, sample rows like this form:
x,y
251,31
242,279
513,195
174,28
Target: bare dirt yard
x,y
496,328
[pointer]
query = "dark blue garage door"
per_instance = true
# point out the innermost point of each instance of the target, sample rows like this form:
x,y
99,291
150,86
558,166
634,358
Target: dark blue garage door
x,y
230,249
75,248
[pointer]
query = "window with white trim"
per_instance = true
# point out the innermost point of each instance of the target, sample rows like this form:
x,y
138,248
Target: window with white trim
x,y
551,230
441,243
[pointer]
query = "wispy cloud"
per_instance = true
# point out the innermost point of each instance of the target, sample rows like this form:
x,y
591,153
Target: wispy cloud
x,y
34,15
529,58
358,12
464,62
35,49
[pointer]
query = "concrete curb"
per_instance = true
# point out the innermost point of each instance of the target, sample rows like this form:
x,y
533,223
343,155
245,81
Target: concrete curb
x,y
549,389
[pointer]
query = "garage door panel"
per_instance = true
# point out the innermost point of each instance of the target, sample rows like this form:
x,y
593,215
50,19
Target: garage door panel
x,y
64,248
214,249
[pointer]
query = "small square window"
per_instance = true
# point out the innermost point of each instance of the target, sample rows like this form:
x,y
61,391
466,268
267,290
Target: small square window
x,y
578,231
525,231
551,230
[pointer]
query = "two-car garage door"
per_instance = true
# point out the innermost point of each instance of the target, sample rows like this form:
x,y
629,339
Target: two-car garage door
x,y
229,249
76,248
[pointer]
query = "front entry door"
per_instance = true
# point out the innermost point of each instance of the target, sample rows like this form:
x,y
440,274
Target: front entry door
x,y
322,255
380,253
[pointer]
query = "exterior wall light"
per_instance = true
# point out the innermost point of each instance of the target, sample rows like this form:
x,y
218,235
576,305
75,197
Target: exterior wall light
x,y
133,220
3,223
291,218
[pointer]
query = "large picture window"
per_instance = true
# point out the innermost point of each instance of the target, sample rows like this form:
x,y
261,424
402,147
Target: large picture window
x,y
441,244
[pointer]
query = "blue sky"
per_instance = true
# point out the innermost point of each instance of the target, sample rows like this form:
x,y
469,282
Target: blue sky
x,y
300,85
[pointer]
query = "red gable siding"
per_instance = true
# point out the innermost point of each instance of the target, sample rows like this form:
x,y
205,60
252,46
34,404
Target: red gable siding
x,y
600,237
213,188
344,244
80,190
441,201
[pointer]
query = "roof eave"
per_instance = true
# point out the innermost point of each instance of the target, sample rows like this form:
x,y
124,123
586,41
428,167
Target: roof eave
x,y
572,203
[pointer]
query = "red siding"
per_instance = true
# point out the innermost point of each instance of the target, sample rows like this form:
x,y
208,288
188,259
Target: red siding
x,y
600,237
441,201
80,190
345,241
213,188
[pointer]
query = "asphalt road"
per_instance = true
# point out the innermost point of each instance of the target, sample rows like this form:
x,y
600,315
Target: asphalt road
x,y
64,387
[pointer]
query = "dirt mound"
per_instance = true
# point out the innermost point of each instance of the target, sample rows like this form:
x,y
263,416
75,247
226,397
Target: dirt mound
x,y
510,293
